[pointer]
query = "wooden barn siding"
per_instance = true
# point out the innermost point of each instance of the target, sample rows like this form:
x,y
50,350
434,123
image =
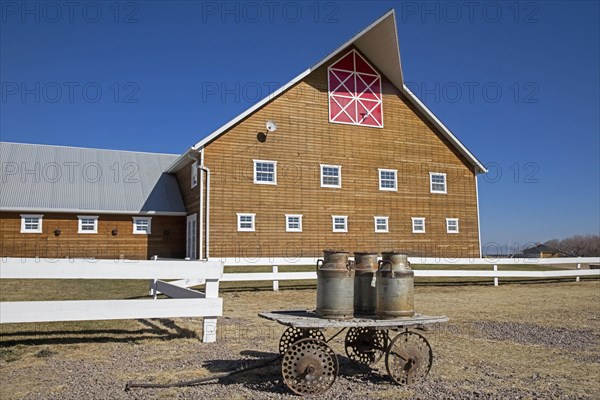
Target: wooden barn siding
x,y
304,139
100,245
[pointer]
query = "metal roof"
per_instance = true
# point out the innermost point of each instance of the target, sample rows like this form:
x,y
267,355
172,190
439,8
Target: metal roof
x,y
379,42
44,178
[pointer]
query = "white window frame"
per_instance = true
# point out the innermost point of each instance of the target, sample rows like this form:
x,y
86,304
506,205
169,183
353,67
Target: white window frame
x,y
431,183
414,220
448,230
395,188
239,221
334,229
287,222
135,221
194,176
80,225
328,185
274,172
387,227
40,218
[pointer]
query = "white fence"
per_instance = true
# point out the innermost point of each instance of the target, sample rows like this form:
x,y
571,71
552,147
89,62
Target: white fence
x,y
182,302
275,276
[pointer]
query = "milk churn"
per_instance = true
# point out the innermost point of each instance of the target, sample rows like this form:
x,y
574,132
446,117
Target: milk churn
x,y
365,291
335,285
395,286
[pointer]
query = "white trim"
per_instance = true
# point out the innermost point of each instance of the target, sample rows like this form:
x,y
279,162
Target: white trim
x,y
478,220
40,218
333,228
253,216
448,225
339,167
445,191
395,171
194,175
287,223
387,226
274,172
79,224
414,219
354,74
146,232
102,212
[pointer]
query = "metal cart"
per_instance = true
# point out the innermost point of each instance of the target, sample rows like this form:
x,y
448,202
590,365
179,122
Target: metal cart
x,y
310,366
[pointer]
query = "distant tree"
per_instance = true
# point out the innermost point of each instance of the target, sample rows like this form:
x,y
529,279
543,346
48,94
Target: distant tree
x,y
578,245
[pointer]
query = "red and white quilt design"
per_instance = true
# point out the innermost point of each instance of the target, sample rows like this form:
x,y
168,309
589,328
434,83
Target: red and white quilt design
x,y
355,92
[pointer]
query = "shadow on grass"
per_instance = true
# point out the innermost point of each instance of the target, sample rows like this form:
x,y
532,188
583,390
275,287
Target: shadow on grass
x,y
268,378
168,331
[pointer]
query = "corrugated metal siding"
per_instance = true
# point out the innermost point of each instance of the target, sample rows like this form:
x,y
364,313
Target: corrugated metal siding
x,y
41,177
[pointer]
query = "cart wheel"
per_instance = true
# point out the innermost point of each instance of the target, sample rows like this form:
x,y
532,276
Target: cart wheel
x,y
292,335
409,358
309,367
365,346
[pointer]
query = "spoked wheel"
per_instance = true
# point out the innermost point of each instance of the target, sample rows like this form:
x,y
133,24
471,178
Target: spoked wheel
x,y
309,367
365,346
292,335
409,358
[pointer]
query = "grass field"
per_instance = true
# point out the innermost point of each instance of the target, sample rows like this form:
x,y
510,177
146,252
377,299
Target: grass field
x,y
514,341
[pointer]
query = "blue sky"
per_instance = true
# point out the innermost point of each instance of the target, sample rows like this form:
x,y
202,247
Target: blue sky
x,y
517,82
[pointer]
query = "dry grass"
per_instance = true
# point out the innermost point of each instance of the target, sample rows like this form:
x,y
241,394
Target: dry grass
x,y
534,338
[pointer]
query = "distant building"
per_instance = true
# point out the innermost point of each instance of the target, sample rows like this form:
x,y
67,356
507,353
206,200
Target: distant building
x,y
542,251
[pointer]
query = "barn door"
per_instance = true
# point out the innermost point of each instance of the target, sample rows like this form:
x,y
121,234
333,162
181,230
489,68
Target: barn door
x,y
190,238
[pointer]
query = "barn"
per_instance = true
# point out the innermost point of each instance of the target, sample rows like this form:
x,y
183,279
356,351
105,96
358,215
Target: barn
x,y
343,156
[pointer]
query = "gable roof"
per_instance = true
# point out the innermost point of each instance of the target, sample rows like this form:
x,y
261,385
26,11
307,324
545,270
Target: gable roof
x,y
44,178
379,42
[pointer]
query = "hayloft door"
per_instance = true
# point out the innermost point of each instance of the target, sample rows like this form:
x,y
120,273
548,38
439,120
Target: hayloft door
x,y
190,238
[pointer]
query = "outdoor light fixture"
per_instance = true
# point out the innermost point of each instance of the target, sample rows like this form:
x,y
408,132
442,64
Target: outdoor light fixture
x,y
115,232
57,232
166,232
271,127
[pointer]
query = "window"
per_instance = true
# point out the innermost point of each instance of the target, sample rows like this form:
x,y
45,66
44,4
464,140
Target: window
x,y
245,222
265,172
388,179
293,223
31,223
194,174
354,90
87,224
340,223
331,176
142,225
451,225
437,182
381,224
418,225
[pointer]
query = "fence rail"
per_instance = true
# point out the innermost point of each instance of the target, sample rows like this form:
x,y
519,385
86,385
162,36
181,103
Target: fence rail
x,y
183,302
275,276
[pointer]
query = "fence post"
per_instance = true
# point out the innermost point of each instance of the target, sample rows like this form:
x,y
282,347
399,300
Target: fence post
x,y
495,278
211,291
275,282
578,267
152,288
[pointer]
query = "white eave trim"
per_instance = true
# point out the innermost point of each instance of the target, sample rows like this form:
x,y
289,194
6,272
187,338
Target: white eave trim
x,y
82,212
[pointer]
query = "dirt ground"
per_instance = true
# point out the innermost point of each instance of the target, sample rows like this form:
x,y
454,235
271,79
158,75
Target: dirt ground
x,y
516,341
